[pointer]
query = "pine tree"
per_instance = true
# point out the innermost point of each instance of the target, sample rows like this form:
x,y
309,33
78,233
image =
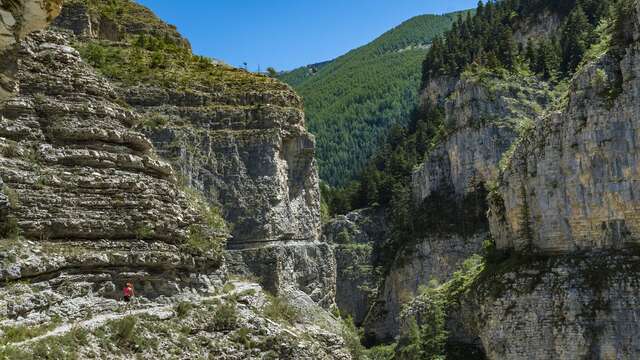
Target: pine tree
x,y
577,35
623,27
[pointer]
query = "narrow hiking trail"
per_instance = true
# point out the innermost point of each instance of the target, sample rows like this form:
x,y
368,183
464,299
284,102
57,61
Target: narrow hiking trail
x,y
160,311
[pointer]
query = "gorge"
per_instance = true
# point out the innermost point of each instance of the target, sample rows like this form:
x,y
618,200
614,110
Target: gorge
x,y
500,223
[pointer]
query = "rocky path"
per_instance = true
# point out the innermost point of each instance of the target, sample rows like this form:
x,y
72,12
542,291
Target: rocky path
x,y
160,311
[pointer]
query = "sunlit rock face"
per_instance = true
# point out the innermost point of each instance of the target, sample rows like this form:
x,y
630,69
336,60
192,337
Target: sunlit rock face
x,y
573,182
241,141
18,18
82,191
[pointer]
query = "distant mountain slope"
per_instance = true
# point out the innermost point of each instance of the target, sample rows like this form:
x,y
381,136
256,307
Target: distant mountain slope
x,y
352,101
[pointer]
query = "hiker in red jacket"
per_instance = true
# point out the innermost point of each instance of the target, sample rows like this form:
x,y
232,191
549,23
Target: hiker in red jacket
x,y
128,292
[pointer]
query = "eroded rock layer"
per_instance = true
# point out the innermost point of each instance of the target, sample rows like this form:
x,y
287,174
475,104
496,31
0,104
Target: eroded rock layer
x,y
571,307
81,185
236,137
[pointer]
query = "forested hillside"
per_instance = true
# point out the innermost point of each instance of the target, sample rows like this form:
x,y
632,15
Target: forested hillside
x,y
478,46
352,101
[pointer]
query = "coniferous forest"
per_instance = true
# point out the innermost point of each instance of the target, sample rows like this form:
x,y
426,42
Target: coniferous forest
x,y
482,40
352,101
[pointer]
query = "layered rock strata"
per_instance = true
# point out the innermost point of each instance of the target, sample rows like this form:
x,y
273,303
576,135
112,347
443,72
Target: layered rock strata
x,y
18,18
236,137
84,192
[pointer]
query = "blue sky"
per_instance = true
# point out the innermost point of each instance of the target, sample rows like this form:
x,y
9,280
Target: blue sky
x,y
289,33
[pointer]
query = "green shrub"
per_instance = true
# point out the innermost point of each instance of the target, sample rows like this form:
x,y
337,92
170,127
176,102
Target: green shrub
x,y
10,150
352,336
14,353
154,121
426,341
199,243
183,308
381,352
279,309
10,228
225,317
228,287
12,196
125,334
63,347
144,232
13,334
242,336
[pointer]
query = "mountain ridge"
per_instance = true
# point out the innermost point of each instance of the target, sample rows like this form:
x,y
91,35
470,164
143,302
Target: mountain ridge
x,y
353,100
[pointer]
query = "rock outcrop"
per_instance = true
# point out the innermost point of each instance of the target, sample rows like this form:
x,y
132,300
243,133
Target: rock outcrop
x,y
357,240
236,137
566,204
18,18
429,261
562,307
87,204
482,114
572,182
87,191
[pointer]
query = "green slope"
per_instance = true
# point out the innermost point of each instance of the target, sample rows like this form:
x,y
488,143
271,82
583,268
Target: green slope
x,y
352,101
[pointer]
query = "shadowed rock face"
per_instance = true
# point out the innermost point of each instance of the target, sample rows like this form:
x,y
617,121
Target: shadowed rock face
x,y
357,239
483,113
569,194
251,154
86,190
254,159
567,307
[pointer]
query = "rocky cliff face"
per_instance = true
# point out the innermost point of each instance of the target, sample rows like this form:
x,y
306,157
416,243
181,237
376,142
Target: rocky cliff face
x,y
87,204
562,283
17,20
572,182
429,261
357,240
568,307
83,186
483,114
249,152
236,137
567,194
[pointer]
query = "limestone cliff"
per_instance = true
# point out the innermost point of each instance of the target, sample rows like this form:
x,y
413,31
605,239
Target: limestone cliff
x,y
482,116
85,188
483,113
87,204
236,137
17,20
566,202
357,239
571,183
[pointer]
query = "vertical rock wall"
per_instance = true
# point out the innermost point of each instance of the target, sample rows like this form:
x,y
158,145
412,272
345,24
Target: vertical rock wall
x,y
239,141
573,182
